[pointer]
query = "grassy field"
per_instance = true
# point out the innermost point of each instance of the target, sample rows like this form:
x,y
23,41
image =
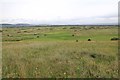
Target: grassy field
x,y
59,52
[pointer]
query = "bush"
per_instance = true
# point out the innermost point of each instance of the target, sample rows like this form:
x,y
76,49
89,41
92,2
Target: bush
x,y
115,38
45,34
89,39
76,40
1,31
37,36
73,35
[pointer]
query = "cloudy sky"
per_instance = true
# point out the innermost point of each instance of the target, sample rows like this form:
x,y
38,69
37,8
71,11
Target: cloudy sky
x,y
59,11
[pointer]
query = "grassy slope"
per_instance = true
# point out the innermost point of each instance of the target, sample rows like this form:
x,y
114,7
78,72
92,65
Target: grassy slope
x,y
58,54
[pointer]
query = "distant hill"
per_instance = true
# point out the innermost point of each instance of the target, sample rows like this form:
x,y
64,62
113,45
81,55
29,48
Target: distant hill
x,y
16,25
39,25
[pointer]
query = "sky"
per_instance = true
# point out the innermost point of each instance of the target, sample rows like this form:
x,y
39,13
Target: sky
x,y
59,11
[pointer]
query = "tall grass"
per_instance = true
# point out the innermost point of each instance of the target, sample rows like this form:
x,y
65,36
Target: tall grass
x,y
60,59
59,55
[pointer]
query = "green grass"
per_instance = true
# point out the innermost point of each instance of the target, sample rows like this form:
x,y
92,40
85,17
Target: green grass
x,y
58,54
59,34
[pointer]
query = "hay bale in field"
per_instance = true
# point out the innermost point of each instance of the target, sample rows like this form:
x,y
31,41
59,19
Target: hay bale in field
x,y
89,39
114,38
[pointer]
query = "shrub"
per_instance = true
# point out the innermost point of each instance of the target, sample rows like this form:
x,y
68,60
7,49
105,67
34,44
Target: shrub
x,y
35,33
73,35
45,35
76,40
115,38
18,32
1,31
25,31
64,28
37,36
89,39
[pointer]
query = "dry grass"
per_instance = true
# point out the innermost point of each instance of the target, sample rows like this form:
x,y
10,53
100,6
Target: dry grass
x,y
61,58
